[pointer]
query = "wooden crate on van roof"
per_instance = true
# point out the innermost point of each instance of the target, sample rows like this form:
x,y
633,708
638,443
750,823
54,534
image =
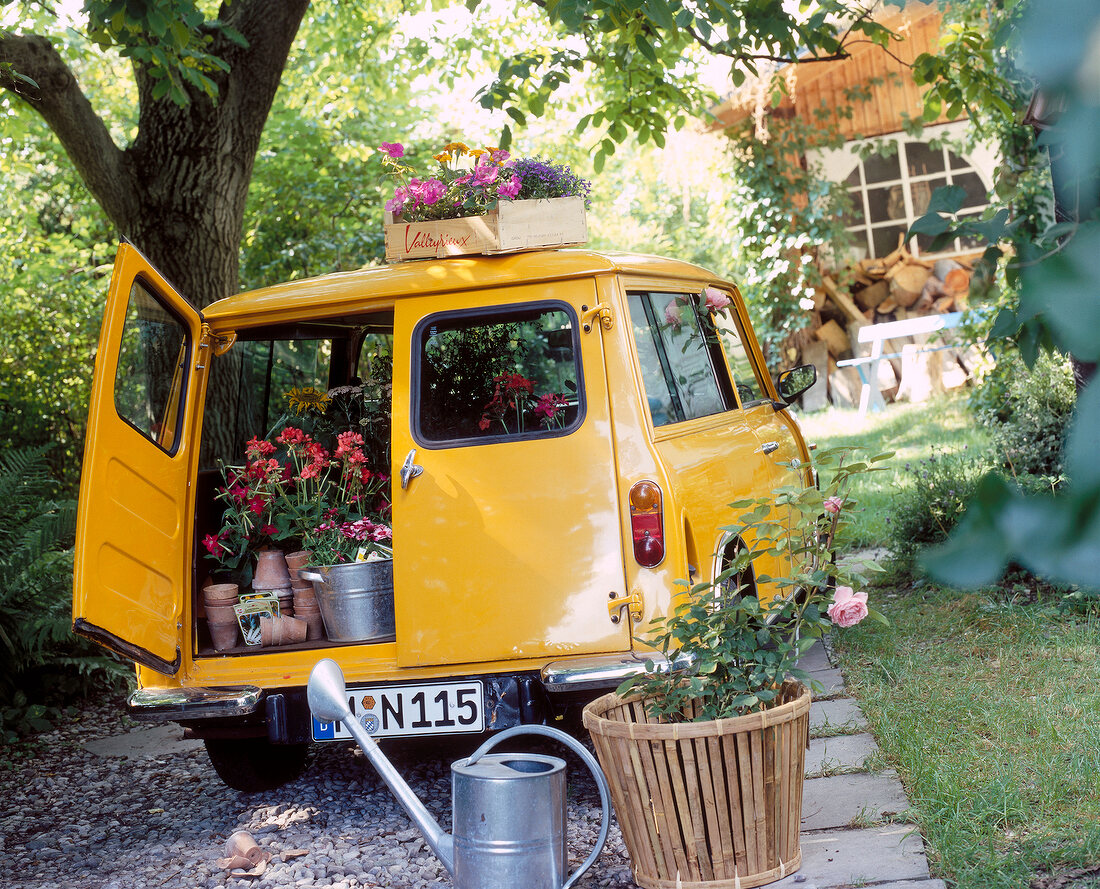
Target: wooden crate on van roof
x,y
510,227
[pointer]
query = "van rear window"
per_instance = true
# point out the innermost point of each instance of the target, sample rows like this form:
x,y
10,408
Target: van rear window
x,y
497,374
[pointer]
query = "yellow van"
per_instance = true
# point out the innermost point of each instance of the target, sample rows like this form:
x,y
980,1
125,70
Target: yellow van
x,y
526,554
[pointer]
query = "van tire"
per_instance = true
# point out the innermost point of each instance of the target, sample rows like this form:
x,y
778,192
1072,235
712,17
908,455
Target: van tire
x,y
254,764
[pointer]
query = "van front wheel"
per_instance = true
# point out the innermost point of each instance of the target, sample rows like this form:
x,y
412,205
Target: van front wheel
x,y
253,764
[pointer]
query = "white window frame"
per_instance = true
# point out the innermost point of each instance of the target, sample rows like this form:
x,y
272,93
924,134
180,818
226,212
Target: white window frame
x,y
839,164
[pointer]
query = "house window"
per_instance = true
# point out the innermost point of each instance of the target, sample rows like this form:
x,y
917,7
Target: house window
x,y
891,191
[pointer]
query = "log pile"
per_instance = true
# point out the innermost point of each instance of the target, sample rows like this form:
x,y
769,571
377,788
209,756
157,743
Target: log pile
x,y
873,291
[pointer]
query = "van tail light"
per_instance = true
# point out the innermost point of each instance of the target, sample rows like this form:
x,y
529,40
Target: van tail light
x,y
647,525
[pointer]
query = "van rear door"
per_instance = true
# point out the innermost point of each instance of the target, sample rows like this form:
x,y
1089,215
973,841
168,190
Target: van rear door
x,y
506,525
133,545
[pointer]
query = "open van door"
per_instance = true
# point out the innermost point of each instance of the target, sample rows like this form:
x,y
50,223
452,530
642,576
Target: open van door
x,y
134,537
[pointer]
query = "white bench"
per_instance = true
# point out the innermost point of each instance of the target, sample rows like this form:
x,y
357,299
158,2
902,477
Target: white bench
x,y
870,396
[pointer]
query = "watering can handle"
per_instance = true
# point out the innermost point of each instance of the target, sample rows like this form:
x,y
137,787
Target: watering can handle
x,y
588,759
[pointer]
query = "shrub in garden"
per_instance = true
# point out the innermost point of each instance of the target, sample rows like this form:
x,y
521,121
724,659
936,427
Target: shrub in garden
x,y
39,655
931,499
1029,414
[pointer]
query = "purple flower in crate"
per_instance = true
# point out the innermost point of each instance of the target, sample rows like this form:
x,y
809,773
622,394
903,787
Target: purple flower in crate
x,y
393,149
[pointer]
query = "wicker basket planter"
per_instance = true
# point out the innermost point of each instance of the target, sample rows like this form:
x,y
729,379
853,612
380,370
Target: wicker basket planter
x,y
706,805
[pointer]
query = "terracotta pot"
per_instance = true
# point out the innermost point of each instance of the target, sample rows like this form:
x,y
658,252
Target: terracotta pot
x,y
297,560
218,593
304,598
282,630
223,635
301,585
220,614
271,571
294,630
315,626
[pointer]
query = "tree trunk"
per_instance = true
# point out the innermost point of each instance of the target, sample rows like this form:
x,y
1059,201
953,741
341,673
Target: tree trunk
x,y
178,192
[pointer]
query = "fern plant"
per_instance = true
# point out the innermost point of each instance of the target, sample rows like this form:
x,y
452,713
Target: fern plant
x,y
40,658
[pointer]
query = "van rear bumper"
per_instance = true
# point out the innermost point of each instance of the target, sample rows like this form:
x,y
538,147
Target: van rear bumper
x,y
603,671
196,703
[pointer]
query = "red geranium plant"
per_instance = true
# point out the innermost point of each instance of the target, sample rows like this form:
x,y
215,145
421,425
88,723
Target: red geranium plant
x,y
294,491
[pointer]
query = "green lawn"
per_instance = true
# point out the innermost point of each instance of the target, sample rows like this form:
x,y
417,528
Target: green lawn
x,y
987,703
911,431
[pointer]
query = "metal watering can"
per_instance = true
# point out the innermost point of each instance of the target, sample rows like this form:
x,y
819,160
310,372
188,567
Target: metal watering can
x,y
508,808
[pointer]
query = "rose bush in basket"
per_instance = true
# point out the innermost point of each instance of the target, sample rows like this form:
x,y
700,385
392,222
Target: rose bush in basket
x,y
730,653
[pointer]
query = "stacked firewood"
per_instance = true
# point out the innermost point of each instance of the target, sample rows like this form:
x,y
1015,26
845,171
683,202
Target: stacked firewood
x,y
891,288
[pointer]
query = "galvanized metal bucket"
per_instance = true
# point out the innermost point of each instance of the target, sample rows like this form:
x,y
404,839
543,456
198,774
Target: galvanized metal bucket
x,y
356,600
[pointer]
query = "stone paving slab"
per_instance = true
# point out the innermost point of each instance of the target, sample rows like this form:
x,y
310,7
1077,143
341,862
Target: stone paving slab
x,y
143,743
831,680
842,753
868,857
815,659
827,717
840,800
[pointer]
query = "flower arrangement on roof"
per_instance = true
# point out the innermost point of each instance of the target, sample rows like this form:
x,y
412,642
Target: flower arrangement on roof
x,y
470,181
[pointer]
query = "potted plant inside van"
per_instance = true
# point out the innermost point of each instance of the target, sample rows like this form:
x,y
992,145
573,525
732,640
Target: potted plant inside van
x,y
317,483
706,748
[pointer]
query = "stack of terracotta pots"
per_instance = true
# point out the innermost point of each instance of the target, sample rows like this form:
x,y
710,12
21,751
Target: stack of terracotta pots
x,y
221,619
281,630
304,599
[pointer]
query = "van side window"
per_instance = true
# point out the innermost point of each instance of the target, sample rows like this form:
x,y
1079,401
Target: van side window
x,y
151,373
499,373
678,358
740,365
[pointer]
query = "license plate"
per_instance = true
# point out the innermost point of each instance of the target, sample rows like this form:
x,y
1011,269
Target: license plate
x,y
388,711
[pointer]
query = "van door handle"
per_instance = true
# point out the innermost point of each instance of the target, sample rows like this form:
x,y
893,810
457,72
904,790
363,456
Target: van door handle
x,y
769,446
409,470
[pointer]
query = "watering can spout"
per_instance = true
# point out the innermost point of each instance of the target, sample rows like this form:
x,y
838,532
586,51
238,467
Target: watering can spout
x,y
328,700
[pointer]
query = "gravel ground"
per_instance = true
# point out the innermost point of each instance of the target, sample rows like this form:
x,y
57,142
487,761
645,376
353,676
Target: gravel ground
x,y
75,819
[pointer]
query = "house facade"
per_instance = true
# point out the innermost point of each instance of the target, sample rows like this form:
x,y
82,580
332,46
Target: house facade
x,y
889,173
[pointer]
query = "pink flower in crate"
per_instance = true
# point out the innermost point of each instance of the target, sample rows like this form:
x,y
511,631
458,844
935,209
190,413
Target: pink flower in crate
x,y
431,191
508,189
833,504
848,607
716,299
393,149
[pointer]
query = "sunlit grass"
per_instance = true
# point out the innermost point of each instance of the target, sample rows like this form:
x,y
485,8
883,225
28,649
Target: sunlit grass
x,y
988,707
911,431
990,713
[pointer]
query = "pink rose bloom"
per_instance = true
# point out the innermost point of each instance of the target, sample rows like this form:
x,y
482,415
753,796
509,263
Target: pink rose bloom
x,y
848,607
393,149
716,299
833,504
395,205
672,314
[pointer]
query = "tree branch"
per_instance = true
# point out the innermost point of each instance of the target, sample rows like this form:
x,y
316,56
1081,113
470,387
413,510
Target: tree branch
x,y
67,111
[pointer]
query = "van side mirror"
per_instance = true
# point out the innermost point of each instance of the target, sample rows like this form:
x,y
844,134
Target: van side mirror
x,y
795,381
